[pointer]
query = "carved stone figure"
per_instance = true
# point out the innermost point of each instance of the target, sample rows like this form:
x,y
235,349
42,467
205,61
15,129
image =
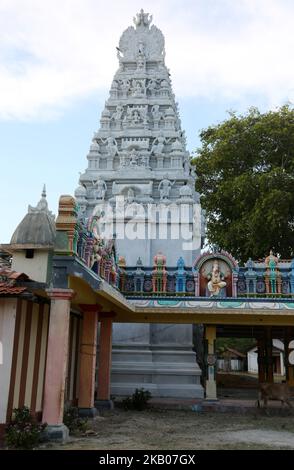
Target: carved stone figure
x,y
215,280
144,114
131,195
152,87
112,146
157,148
134,158
142,18
117,115
164,188
138,88
151,39
156,114
82,206
123,160
141,63
125,87
100,188
136,118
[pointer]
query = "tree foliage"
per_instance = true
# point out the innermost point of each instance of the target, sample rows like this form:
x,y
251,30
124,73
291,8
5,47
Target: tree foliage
x,y
240,344
245,171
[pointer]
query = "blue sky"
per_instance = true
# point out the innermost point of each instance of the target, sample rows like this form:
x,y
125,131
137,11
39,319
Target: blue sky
x,y
58,57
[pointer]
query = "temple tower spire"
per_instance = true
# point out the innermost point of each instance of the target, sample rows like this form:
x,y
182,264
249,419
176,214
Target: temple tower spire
x,y
140,147
138,165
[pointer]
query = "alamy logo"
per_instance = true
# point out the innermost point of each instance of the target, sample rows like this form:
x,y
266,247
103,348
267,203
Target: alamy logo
x,y
132,220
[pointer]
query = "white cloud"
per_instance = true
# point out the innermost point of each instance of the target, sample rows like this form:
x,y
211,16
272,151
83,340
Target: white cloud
x,y
54,51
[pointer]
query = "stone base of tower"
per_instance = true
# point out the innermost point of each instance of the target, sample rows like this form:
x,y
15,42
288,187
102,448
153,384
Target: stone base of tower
x,y
166,369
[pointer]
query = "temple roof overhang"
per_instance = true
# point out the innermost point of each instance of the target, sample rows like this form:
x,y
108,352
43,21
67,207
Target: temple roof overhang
x,y
91,289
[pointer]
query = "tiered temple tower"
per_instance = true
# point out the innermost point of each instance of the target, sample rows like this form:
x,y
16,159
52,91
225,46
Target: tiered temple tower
x,y
138,164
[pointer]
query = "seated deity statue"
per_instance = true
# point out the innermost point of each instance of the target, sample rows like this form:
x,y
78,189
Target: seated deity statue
x,y
134,158
137,89
215,280
117,115
136,118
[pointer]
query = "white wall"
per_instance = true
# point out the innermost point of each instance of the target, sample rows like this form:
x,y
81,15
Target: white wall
x,y
36,268
252,358
252,362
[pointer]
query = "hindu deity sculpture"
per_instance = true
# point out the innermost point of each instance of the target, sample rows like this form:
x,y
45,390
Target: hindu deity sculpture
x,y
272,274
164,188
159,273
100,188
215,280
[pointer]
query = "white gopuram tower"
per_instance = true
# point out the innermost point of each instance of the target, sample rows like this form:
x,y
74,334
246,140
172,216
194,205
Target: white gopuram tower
x,y
138,162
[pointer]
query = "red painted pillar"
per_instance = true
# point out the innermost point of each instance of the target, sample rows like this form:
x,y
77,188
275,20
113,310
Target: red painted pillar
x,y
56,362
88,354
104,370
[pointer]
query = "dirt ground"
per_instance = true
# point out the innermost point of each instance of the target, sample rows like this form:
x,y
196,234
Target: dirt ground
x,y
184,430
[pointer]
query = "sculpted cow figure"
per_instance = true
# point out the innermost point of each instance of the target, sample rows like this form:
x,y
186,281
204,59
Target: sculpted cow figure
x,y
272,391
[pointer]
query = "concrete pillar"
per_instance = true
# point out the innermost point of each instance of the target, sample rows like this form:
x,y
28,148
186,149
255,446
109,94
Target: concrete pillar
x,y
261,360
88,354
104,370
269,355
56,362
211,362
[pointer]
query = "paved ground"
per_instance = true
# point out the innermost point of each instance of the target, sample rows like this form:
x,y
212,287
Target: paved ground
x,y
174,429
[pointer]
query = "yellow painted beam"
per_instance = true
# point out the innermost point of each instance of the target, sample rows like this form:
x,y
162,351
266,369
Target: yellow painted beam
x,y
224,318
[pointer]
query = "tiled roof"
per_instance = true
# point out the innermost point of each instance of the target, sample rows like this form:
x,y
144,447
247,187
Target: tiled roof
x,y
5,289
8,282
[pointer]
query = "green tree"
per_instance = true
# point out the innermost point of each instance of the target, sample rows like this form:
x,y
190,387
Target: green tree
x,y
245,171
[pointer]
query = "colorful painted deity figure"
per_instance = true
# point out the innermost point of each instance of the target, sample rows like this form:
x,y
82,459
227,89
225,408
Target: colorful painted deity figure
x,y
215,279
180,275
272,274
159,273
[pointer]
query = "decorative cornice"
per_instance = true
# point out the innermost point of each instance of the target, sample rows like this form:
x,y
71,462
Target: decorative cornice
x,y
60,294
223,255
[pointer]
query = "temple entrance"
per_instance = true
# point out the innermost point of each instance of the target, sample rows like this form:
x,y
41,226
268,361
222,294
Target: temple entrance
x,y
271,360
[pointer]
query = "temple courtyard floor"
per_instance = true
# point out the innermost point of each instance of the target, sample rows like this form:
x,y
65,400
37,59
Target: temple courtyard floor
x,y
233,424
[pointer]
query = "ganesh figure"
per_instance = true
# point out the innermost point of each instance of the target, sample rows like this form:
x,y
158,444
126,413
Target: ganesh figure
x,y
215,280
